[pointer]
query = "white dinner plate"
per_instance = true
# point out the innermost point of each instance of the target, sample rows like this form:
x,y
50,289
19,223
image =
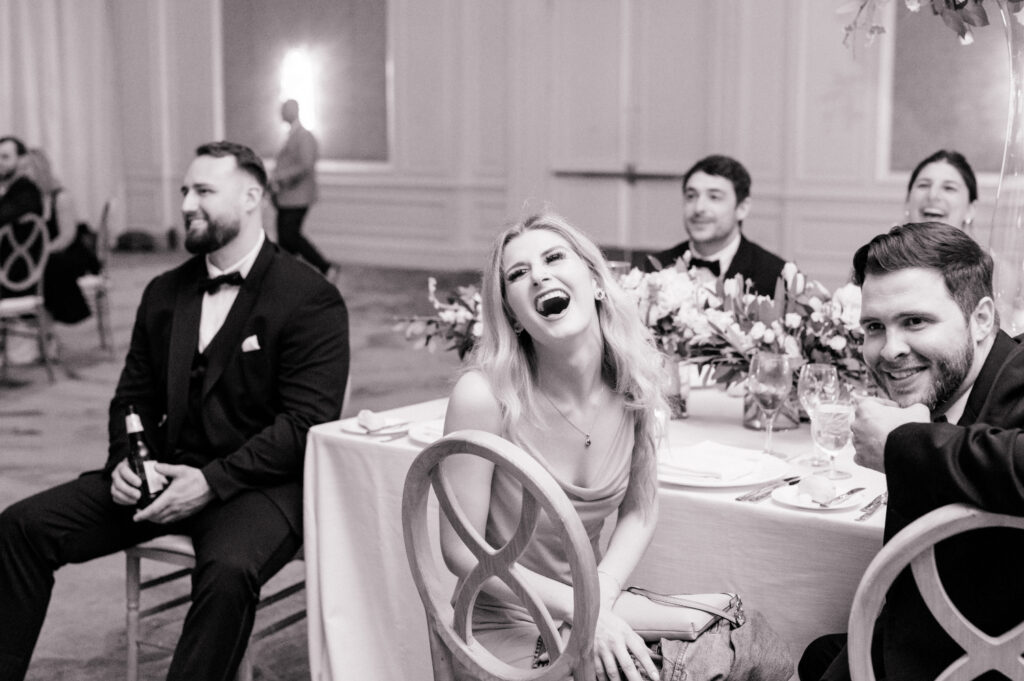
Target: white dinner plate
x,y
426,432
762,468
394,427
791,496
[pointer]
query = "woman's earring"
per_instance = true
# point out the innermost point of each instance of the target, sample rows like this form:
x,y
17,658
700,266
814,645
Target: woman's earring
x,y
517,327
599,294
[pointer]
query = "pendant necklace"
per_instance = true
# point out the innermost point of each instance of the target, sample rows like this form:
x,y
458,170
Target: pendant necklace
x,y
585,434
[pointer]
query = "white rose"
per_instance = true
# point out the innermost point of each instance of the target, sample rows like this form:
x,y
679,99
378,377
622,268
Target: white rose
x,y
848,299
757,331
789,271
769,336
837,343
793,320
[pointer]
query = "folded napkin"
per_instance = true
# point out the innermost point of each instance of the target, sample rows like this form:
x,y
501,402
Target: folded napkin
x,y
710,460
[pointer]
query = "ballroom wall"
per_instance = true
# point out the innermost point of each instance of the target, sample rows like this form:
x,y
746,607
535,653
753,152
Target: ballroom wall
x,y
491,100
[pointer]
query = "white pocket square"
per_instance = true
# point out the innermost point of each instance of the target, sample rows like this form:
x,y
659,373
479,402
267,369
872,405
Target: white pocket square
x,y
250,344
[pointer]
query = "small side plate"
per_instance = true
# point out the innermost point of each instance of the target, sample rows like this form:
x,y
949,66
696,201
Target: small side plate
x,y
790,496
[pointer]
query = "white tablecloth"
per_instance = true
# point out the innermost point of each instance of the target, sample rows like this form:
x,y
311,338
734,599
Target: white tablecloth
x,y
800,568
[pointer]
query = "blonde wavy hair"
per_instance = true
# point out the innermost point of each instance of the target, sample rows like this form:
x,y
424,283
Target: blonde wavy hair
x,y
631,366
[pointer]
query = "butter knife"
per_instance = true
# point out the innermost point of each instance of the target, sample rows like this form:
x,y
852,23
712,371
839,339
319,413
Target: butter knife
x,y
763,492
873,506
842,497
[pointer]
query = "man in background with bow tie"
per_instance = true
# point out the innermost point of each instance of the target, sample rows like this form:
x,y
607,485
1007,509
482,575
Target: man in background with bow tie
x,y
950,432
716,200
234,355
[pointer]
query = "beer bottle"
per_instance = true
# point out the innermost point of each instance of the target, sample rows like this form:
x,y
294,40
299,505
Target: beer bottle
x,y
141,463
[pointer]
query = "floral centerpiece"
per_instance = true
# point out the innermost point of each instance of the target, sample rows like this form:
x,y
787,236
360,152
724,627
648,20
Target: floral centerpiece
x,y
721,324
958,15
455,326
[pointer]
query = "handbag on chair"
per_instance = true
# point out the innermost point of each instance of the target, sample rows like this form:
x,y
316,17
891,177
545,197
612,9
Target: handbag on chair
x,y
702,637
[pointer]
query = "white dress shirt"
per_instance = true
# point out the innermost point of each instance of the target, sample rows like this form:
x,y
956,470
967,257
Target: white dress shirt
x,y
216,306
724,255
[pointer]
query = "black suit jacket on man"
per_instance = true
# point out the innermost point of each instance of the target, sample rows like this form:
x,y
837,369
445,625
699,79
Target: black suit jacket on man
x,y
978,461
277,366
760,266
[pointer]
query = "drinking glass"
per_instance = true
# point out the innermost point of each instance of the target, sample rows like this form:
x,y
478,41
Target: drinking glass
x,y
831,423
817,382
770,382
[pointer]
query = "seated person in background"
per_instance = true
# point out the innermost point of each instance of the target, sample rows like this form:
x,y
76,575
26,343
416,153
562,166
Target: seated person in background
x,y
933,344
19,195
942,188
716,200
565,370
69,257
234,355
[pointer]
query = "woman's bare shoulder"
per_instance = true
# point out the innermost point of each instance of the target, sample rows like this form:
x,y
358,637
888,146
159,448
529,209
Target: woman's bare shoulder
x,y
473,405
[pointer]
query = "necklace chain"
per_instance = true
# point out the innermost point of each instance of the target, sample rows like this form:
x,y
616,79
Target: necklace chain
x,y
585,434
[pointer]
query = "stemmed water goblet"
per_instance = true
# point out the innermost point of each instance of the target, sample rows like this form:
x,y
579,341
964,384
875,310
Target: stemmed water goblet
x,y
831,429
770,382
817,382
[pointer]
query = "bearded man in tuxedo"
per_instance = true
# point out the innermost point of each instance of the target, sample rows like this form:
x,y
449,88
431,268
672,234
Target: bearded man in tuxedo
x,y
716,200
950,432
233,356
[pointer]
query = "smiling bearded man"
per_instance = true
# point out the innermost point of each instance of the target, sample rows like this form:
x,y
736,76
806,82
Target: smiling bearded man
x,y
949,435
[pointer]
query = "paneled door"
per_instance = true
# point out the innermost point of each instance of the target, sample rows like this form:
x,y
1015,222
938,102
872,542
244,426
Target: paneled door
x,y
626,83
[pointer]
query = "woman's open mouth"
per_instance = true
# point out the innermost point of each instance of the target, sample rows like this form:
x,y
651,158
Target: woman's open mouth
x,y
551,304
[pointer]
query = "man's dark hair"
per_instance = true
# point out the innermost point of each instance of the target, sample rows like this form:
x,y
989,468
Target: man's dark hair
x,y
18,144
726,167
246,158
966,269
955,159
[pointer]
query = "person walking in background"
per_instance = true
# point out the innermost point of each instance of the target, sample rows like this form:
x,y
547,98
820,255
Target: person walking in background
x,y
293,189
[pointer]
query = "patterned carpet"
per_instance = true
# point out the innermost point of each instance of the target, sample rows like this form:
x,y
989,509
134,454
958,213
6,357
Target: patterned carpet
x,y
50,433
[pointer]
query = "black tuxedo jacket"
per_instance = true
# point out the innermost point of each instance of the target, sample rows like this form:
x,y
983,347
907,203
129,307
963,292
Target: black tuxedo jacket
x,y
277,366
979,461
760,266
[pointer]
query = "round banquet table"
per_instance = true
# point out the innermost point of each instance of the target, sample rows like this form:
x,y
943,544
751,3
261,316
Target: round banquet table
x,y
798,567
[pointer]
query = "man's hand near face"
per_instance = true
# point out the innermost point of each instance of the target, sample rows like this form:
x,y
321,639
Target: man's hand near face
x,y
875,419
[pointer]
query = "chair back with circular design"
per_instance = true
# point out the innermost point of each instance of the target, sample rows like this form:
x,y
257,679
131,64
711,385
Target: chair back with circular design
x,y
914,545
24,250
449,617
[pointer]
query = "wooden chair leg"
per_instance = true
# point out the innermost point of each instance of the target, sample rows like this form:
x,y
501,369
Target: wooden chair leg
x,y
132,582
102,311
44,335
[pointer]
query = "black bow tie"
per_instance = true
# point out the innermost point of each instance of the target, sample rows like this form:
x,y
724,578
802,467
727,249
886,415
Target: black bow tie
x,y
941,418
710,265
212,285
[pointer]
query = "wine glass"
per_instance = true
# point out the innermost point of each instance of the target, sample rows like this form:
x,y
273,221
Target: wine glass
x,y
831,422
816,382
769,382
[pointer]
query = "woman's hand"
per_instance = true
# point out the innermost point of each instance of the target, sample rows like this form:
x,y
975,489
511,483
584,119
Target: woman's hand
x,y
614,640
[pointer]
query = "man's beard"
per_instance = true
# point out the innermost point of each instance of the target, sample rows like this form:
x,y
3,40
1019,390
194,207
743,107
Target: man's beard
x,y
217,234
948,374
